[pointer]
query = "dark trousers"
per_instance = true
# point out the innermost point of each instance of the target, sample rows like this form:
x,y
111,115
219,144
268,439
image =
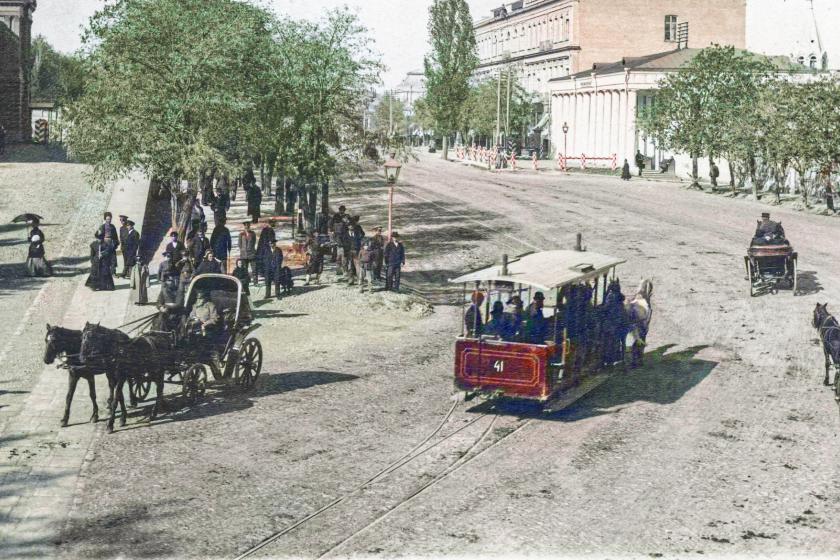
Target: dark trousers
x,y
277,287
392,278
252,264
377,268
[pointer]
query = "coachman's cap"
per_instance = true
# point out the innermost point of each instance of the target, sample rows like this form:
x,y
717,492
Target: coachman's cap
x,y
765,214
129,222
539,296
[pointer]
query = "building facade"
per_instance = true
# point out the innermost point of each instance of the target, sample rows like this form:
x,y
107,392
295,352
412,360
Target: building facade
x,y
542,40
799,29
15,67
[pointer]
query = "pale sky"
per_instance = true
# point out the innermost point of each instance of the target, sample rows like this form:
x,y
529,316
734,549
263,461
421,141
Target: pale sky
x,y
398,26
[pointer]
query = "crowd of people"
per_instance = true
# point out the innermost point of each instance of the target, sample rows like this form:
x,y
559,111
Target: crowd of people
x,y
103,257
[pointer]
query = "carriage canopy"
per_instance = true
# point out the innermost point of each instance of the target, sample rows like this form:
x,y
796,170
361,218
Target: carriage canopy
x,y
225,291
547,270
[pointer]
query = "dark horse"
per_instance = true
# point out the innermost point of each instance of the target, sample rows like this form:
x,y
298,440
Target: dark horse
x,y
829,330
133,359
67,344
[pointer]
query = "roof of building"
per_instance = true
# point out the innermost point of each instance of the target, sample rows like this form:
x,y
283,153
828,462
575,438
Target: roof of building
x,y
671,60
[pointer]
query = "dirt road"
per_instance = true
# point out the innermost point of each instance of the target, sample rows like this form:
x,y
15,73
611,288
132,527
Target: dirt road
x,y
725,443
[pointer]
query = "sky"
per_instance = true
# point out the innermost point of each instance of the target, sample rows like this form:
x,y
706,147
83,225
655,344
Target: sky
x,y
398,26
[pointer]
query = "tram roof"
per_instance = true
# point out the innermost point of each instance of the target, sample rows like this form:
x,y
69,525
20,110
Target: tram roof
x,y
547,270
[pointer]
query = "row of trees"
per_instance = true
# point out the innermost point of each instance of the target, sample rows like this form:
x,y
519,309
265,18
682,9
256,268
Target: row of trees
x,y
765,116
186,89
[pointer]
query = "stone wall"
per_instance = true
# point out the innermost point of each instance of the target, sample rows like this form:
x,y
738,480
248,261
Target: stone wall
x,y
610,30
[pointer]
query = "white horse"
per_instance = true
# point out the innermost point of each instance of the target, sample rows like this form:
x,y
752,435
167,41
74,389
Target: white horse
x,y
639,312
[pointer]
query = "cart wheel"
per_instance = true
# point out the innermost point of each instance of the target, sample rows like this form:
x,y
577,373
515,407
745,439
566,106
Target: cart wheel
x,y
750,275
140,390
795,277
194,382
249,364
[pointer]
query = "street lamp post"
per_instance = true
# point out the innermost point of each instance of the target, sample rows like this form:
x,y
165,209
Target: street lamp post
x,y
392,173
566,144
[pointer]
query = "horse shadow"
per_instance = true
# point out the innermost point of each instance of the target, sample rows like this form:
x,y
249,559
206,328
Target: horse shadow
x,y
808,283
663,379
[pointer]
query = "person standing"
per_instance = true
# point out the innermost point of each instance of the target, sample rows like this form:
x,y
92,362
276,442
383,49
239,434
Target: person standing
x,y
123,230
248,250
36,262
200,245
357,236
337,219
640,162
625,171
35,222
221,244
209,265
365,265
273,271
268,237
378,248
241,272
221,204
253,196
314,259
102,253
714,173
107,228
130,248
139,281
395,260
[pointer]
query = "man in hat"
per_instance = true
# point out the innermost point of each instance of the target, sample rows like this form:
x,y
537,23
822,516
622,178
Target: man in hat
x,y
536,325
357,236
473,320
338,219
273,270
378,248
395,260
205,314
173,253
768,232
200,245
130,248
221,243
248,250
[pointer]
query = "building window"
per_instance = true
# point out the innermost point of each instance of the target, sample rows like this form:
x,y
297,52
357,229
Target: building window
x,y
813,62
670,28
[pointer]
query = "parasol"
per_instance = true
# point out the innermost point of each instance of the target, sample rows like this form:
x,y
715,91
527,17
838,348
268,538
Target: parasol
x,y
27,218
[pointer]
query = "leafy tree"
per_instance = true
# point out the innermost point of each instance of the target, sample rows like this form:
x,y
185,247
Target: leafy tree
x,y
389,117
449,65
480,111
55,77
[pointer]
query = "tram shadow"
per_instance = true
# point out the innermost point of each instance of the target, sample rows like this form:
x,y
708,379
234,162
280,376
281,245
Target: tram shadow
x,y
663,379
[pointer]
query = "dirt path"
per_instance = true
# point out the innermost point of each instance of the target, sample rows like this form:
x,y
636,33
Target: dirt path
x,y
724,443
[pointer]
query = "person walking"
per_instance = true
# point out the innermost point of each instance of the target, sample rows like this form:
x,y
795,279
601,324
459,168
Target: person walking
x,y
268,237
395,260
625,171
253,196
274,271
241,272
102,254
366,260
34,223
640,162
139,281
248,250
130,248
357,236
36,262
378,248
222,202
221,243
314,259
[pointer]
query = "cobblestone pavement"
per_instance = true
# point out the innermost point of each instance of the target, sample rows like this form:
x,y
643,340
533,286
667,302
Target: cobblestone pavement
x,y
41,462
724,443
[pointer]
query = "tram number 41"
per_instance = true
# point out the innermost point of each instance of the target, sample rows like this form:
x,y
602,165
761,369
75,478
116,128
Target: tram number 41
x,y
499,366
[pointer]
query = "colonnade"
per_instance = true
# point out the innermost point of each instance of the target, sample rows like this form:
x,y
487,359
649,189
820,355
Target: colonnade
x,y
601,122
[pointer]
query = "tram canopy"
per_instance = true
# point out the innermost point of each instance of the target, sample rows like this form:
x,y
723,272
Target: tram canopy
x,y
547,270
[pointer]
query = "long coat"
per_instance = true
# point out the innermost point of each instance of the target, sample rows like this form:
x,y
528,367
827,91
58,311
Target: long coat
x,y
247,245
131,247
100,233
102,255
221,242
140,284
254,198
273,264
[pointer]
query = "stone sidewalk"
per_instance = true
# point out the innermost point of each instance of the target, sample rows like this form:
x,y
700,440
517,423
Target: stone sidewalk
x,y
41,462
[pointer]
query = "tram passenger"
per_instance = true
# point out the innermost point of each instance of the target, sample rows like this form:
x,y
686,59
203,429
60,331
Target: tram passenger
x,y
472,319
498,325
515,318
536,325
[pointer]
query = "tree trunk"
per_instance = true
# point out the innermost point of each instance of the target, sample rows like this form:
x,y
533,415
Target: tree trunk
x,y
778,188
445,151
804,187
312,205
695,183
753,178
732,176
325,198
288,205
271,165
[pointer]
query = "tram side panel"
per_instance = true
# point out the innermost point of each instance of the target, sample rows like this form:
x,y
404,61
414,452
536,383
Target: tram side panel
x,y
517,370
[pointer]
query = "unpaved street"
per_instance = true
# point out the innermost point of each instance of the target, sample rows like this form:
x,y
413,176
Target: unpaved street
x,y
724,443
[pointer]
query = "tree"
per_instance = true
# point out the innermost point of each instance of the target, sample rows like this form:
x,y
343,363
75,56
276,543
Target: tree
x,y
480,113
700,109
55,77
449,65
389,116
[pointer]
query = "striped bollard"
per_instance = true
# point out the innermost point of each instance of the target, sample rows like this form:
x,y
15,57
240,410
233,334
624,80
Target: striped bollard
x,y
583,161
614,161
513,161
534,161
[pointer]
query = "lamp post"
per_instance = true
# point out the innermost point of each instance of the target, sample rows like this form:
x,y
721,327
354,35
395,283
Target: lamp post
x,y
392,173
566,145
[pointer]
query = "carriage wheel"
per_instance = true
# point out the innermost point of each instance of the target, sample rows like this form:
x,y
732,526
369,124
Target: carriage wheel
x,y
249,363
751,277
194,382
140,390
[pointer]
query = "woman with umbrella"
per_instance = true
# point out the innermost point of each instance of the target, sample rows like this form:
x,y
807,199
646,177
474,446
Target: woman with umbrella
x,y
36,263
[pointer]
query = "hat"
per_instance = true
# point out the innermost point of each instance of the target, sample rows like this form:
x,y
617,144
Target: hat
x,y
377,228
129,222
171,233
122,217
514,299
539,296
765,214
36,238
246,223
342,208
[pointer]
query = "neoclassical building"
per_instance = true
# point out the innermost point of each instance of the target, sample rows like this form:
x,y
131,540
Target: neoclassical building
x,y
15,67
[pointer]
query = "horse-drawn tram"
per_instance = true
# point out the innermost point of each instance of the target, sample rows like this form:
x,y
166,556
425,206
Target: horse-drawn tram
x,y
541,324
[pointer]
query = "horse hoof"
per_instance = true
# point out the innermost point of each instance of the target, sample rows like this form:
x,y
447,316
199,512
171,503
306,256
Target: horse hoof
x,y
95,418
110,429
122,423
64,423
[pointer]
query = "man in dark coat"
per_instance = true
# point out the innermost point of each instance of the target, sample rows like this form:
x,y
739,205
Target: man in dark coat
x,y
640,162
536,325
268,237
625,171
357,236
241,272
221,243
174,249
768,232
394,259
714,173
221,204
102,254
123,231
273,270
130,248
377,243
200,245
254,198
248,250
338,218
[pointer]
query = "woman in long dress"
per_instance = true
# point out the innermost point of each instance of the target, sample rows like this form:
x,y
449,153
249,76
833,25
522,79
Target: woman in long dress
x,y
140,282
36,262
102,253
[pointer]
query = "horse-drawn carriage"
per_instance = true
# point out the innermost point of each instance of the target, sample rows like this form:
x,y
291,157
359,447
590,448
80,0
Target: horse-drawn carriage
x,y
585,329
769,266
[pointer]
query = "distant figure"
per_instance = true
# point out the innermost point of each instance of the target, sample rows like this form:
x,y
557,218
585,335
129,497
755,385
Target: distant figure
x,y
131,248
378,247
248,249
640,162
473,321
366,262
2,140
139,281
267,239
209,265
254,198
36,262
35,222
714,173
221,244
241,273
103,252
314,260
625,171
273,270
498,325
395,259
768,232
536,325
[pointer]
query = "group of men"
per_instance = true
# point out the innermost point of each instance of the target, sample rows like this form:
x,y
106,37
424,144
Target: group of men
x,y
103,252
361,258
515,325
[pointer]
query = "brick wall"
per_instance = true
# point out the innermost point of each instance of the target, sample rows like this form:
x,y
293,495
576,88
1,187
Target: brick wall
x,y
608,30
11,87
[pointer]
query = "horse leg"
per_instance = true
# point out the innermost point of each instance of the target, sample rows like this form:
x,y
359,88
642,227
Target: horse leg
x,y
112,406
71,389
159,406
131,398
92,390
827,367
121,399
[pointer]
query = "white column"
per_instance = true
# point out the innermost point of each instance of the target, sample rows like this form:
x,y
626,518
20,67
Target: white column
x,y
621,129
574,99
588,117
614,147
630,129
